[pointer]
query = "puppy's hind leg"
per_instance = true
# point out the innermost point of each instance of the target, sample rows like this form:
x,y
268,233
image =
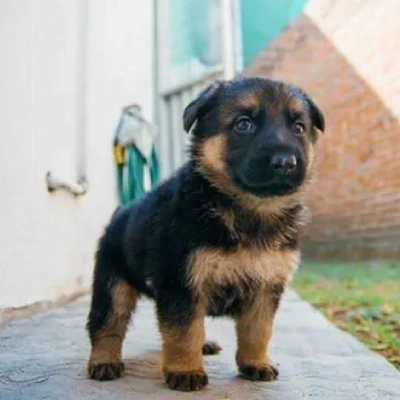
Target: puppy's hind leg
x,y
113,300
211,348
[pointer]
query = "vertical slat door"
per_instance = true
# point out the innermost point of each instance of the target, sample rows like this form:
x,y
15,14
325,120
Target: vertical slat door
x,y
189,56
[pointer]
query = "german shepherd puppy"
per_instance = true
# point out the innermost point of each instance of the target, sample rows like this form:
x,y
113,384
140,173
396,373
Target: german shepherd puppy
x,y
219,238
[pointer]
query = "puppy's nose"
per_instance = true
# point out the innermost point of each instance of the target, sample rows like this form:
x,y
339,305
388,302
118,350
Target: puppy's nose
x,y
284,163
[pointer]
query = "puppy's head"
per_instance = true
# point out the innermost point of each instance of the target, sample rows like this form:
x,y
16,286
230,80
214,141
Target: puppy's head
x,y
254,136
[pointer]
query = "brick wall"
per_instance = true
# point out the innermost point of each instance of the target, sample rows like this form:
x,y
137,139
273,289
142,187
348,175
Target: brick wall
x,y
356,198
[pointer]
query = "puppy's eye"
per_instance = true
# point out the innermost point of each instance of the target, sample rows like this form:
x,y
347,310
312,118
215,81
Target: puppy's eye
x,y
299,128
244,124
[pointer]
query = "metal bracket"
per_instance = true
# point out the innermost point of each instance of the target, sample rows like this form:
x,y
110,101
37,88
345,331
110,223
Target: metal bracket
x,y
78,188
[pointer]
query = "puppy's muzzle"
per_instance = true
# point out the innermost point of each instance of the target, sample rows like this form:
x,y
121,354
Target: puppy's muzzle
x,y
276,172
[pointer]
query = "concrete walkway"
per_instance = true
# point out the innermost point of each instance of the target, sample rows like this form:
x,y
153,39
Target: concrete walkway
x,y
44,357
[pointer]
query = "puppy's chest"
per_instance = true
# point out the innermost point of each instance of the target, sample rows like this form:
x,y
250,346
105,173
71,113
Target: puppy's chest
x,y
223,280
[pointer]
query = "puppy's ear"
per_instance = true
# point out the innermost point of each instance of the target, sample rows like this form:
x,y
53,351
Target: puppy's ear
x,y
317,118
200,105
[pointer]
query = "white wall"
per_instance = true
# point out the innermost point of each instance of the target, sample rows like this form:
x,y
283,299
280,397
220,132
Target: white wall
x,y
47,240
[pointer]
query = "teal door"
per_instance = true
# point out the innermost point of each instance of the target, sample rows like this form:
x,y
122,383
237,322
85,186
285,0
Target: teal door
x,y
262,20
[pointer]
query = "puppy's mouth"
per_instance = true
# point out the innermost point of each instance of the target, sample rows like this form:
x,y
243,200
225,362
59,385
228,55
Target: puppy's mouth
x,y
273,187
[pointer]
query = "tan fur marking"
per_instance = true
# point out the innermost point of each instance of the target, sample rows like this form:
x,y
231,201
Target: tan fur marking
x,y
295,105
107,344
254,331
249,100
310,159
228,218
213,154
213,268
182,349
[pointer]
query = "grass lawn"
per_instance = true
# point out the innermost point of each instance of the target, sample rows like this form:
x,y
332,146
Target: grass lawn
x,y
361,298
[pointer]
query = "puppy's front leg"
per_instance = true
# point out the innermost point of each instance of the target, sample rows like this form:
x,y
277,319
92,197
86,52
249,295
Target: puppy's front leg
x,y
182,330
254,331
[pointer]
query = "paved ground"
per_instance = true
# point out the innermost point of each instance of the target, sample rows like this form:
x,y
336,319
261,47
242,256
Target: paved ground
x,y
43,357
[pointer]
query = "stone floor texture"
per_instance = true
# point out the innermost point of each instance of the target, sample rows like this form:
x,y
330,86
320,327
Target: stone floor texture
x,y
44,357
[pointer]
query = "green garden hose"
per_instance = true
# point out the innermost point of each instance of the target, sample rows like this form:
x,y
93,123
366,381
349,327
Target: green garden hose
x,y
131,171
134,154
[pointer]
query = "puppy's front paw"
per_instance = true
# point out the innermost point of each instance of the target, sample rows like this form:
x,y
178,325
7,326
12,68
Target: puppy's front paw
x,y
186,381
105,371
266,372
